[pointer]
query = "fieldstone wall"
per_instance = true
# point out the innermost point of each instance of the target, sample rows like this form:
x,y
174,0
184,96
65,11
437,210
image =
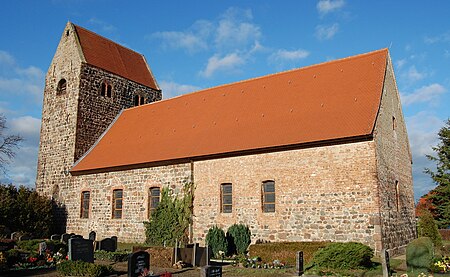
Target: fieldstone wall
x,y
96,112
324,193
394,170
59,117
136,184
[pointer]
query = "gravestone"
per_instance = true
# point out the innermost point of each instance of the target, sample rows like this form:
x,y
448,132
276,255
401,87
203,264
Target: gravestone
x,y
76,236
55,237
107,245
92,235
114,238
65,238
81,250
16,235
24,237
6,245
138,263
211,271
42,248
300,269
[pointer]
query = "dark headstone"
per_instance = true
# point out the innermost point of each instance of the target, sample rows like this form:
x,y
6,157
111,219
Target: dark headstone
x,y
107,245
114,238
42,248
76,236
24,237
92,235
6,245
300,269
81,250
16,235
65,238
211,271
138,263
55,237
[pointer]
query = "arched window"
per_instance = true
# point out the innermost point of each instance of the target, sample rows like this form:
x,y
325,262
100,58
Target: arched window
x,y
226,192
61,88
106,89
268,197
153,199
139,100
84,205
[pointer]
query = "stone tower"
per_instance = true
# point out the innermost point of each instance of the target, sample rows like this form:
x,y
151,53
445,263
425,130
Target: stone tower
x,y
89,81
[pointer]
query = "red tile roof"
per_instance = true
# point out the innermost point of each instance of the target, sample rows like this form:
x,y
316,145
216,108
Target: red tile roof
x,y
110,56
334,100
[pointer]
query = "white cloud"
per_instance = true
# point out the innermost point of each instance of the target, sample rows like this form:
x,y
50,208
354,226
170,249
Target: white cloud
x,y
28,127
326,6
186,40
400,63
324,32
104,26
286,55
413,75
171,89
422,131
235,29
217,63
426,94
6,58
445,37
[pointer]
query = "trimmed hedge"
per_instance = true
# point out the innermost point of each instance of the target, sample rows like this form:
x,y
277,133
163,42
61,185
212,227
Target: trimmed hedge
x,y
80,268
102,255
420,253
342,255
285,251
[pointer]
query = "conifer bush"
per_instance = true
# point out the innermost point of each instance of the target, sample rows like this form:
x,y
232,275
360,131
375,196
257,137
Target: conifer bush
x,y
238,238
216,239
342,255
427,227
419,253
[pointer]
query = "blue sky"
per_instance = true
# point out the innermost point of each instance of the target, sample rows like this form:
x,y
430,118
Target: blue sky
x,y
198,44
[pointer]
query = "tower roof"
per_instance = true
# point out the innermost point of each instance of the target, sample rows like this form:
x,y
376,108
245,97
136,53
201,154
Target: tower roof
x,y
110,56
321,103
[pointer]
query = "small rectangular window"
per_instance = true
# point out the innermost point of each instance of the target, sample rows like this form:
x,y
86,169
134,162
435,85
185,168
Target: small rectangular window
x,y
85,198
268,201
153,200
397,196
117,203
394,123
226,198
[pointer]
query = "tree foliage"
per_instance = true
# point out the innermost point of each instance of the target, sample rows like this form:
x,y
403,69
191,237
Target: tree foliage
x,y
171,219
439,196
239,238
427,227
8,143
22,209
216,239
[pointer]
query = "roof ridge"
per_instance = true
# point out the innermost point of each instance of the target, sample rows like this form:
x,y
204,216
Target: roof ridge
x,y
103,37
270,75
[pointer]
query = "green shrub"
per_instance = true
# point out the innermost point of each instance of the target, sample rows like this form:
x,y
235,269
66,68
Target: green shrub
x,y
420,253
238,238
342,255
427,227
33,245
102,255
80,268
170,220
216,239
285,251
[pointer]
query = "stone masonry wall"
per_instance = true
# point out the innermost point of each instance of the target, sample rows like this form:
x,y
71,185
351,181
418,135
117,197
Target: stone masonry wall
x,y
59,117
394,170
324,193
135,184
96,112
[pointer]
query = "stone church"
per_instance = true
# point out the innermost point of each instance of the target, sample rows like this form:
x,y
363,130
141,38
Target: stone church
x,y
319,153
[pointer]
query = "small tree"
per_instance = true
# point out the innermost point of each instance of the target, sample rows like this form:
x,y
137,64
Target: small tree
x,y
7,144
170,220
216,239
239,238
440,195
427,227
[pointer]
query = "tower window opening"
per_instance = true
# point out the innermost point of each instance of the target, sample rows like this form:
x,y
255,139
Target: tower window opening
x,y
62,86
139,100
106,90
